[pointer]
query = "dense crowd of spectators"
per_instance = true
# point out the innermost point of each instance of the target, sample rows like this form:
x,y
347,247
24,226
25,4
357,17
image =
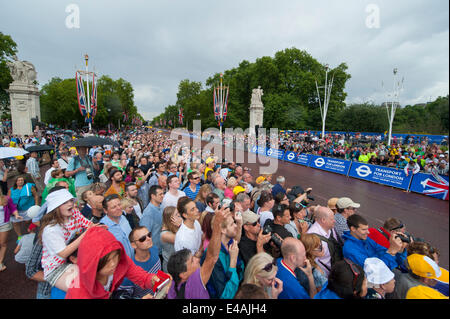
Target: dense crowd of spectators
x,y
120,222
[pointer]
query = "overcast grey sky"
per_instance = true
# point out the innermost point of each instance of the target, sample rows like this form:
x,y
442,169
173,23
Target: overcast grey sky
x,y
155,44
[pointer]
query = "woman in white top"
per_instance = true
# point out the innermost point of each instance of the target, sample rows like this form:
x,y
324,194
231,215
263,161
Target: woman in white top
x,y
60,224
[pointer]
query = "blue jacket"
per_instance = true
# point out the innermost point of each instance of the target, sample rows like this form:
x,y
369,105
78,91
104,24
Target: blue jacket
x,y
292,289
358,250
224,281
326,293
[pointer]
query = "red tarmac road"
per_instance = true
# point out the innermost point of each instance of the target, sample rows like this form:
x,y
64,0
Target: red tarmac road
x,y
424,216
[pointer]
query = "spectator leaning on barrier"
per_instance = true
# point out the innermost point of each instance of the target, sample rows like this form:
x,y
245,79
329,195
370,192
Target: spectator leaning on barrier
x,y
412,168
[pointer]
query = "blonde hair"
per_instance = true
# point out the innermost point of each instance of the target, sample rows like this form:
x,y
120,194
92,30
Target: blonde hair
x,y
127,202
232,182
202,189
256,266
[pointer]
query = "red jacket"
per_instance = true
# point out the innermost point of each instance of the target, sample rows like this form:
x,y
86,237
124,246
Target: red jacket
x,y
380,237
97,243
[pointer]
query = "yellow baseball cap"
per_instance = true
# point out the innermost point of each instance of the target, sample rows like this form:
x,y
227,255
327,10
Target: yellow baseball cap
x,y
424,292
425,267
260,179
238,189
209,160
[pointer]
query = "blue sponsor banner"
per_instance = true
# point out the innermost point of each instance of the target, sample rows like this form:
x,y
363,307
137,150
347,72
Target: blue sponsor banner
x,y
380,174
293,157
431,185
272,152
330,164
258,150
290,157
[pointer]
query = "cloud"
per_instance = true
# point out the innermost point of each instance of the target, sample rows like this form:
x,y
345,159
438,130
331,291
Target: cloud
x,y
156,44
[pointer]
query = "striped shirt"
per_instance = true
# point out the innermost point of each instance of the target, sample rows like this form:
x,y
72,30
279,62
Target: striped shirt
x,y
190,193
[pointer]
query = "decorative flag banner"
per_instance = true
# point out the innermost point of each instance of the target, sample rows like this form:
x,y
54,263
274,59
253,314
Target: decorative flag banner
x,y
216,104
170,122
433,185
225,105
160,122
94,98
125,117
81,97
180,116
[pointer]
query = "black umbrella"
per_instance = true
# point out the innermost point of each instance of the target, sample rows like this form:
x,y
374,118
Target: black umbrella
x,y
93,141
40,148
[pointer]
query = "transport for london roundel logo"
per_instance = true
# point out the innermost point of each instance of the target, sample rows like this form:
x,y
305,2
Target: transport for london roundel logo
x,y
363,171
319,162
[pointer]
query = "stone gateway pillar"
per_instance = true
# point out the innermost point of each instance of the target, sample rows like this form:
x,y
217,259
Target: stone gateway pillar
x,y
24,96
256,110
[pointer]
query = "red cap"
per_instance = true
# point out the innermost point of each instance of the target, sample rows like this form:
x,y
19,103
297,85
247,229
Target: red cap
x,y
31,227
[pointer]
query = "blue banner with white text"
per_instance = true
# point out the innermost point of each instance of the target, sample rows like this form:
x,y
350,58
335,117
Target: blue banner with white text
x,y
380,174
330,164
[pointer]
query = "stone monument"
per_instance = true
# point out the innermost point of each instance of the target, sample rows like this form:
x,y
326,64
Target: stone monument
x,y
256,110
24,96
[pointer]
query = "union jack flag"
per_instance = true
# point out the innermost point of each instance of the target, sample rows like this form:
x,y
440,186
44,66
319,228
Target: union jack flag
x,y
216,105
437,188
94,98
125,117
81,97
225,105
180,116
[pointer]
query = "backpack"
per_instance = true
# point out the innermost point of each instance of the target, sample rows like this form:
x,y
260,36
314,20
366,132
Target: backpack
x,y
334,247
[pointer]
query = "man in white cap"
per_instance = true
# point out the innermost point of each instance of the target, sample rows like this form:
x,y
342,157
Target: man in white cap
x,y
345,208
252,240
380,279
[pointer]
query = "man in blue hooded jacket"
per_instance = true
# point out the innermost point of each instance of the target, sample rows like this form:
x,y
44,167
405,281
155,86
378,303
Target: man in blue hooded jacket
x,y
358,246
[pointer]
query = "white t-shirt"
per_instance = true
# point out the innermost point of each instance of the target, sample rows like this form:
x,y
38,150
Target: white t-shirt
x,y
48,175
188,238
137,210
170,200
62,163
55,239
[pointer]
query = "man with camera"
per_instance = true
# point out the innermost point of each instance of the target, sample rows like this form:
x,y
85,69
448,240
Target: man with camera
x,y
358,246
282,216
81,168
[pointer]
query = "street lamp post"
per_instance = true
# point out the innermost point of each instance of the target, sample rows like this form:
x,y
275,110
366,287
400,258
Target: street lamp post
x,y
394,104
326,98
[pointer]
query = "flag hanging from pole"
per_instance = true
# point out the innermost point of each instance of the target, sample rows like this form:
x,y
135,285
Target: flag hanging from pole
x,y
180,116
94,98
216,104
81,97
225,105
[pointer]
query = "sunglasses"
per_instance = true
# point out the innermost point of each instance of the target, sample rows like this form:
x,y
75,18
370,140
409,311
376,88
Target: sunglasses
x,y
398,227
268,267
143,238
254,224
320,248
355,271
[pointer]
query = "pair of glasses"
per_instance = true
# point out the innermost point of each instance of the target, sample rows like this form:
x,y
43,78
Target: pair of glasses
x,y
254,224
195,178
268,267
398,227
320,248
143,238
355,271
